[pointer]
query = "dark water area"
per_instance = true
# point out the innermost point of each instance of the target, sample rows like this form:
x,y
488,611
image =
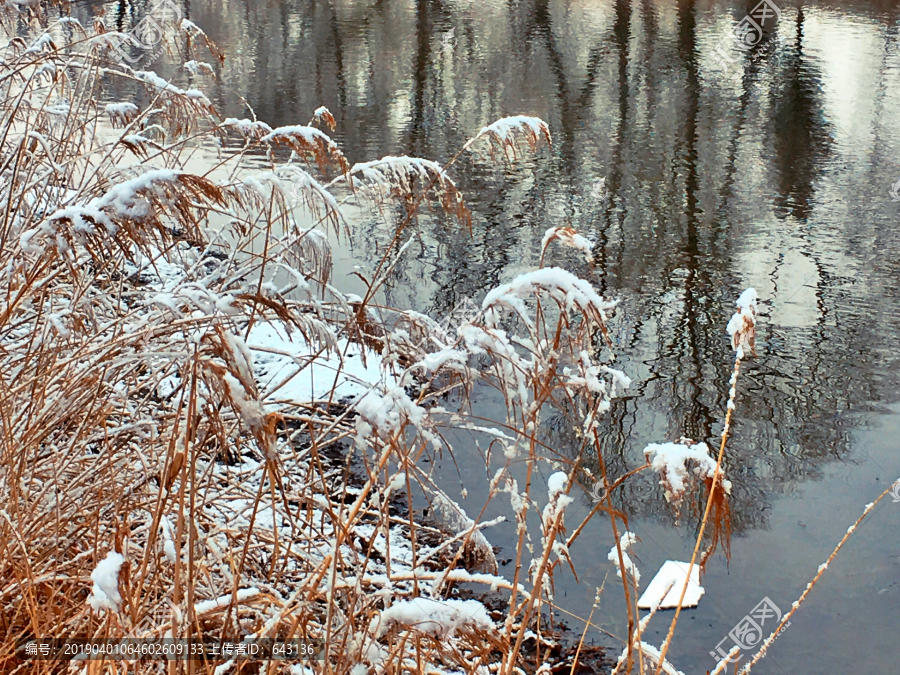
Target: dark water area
x,y
695,183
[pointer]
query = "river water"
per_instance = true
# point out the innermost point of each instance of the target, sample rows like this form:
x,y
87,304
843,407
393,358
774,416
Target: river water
x,y
695,183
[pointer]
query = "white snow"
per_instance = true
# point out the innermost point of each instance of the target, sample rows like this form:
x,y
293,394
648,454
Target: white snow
x,y
561,284
588,377
554,511
247,127
439,618
135,139
381,175
669,460
309,134
321,111
247,406
557,483
39,44
398,482
168,540
568,237
386,413
506,125
190,27
674,573
742,326
123,108
124,199
626,541
279,359
453,359
154,80
105,593
495,582
206,606
747,299
194,67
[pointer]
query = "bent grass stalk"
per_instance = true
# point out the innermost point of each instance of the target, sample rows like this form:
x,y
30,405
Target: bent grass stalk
x,y
761,652
707,511
742,328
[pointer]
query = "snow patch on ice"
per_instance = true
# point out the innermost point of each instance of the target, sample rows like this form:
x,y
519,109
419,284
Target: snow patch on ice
x,y
672,575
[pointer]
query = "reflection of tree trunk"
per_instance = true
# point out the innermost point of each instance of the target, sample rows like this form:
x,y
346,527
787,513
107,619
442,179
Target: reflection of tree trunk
x,y
543,24
651,36
621,37
622,32
420,78
801,142
120,15
697,421
751,71
338,57
572,112
595,60
881,154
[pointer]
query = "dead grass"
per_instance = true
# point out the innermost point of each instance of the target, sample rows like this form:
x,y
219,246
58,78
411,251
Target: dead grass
x,y
135,421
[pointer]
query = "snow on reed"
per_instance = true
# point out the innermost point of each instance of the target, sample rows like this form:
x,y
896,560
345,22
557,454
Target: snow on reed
x,y
128,199
440,618
588,379
505,134
563,286
105,591
207,606
165,86
386,412
197,67
45,40
742,326
556,483
323,114
308,141
168,533
121,114
301,187
249,129
567,236
552,524
410,177
626,541
190,27
558,500
670,461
